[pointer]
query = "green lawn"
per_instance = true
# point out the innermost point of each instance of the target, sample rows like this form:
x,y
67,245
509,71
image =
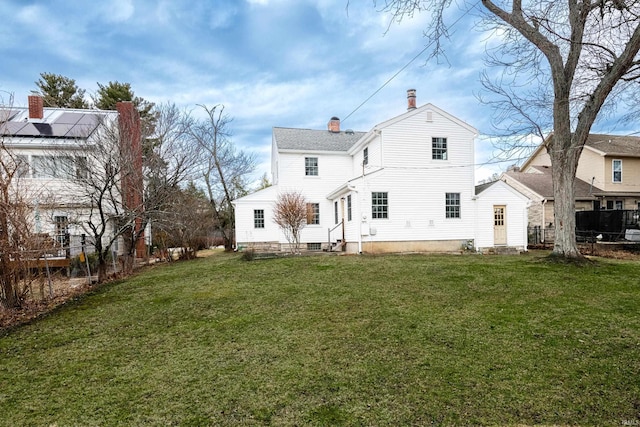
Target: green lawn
x,y
355,340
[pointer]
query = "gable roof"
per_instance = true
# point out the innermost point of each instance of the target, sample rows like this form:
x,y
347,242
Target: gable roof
x,y
604,144
424,107
541,183
498,185
314,140
614,145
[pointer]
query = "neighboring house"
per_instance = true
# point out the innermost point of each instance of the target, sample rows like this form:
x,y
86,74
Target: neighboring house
x,y
406,185
607,178
48,143
537,185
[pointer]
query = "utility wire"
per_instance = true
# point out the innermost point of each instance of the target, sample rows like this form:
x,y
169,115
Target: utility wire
x,y
408,63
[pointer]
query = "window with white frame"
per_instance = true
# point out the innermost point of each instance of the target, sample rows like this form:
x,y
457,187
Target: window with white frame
x,y
22,166
311,166
313,213
314,246
335,211
617,170
61,229
258,218
452,205
439,148
365,156
379,205
349,207
53,167
614,205
82,168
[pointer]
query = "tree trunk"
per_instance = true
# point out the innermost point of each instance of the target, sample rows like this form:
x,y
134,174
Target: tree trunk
x,y
564,163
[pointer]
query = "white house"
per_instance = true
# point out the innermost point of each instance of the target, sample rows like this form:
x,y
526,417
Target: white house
x,y
48,145
406,185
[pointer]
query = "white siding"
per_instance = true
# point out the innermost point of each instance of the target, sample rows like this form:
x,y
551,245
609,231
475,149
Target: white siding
x,y
416,207
501,194
400,164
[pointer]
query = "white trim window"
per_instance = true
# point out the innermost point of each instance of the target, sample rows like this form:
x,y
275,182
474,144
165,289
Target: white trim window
x,y
349,207
380,205
452,205
311,166
313,213
616,168
365,156
615,205
258,218
439,148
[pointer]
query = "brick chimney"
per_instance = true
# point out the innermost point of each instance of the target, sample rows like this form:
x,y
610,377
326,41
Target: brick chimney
x,y
132,182
334,125
36,107
411,99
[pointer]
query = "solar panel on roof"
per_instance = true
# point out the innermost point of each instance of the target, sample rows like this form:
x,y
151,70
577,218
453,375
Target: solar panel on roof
x,y
44,129
68,118
7,114
27,130
74,131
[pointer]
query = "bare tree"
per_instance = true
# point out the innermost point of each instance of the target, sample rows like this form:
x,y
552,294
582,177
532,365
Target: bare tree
x,y
224,169
577,57
189,221
16,208
291,213
170,160
101,176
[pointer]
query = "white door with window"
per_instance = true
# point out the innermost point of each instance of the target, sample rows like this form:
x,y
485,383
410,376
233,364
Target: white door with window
x,y
499,225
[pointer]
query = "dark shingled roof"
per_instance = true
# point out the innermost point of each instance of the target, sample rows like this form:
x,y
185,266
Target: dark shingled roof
x,y
619,145
542,183
314,140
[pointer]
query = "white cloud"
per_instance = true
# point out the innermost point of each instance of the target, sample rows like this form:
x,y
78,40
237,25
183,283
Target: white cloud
x,y
118,10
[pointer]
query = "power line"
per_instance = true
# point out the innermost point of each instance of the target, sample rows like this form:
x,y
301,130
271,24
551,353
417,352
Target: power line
x,y
407,64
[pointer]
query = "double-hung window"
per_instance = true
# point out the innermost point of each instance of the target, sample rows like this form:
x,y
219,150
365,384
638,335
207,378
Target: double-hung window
x,y
258,218
379,205
452,205
313,213
617,170
61,229
311,166
439,148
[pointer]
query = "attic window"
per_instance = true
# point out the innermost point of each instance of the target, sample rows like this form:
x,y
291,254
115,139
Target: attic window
x,y
429,116
365,156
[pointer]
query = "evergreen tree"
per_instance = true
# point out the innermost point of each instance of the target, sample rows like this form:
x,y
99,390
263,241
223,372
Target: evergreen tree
x,y
60,91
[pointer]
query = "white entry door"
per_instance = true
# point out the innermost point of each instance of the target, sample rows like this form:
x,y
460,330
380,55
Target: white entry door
x,y
499,225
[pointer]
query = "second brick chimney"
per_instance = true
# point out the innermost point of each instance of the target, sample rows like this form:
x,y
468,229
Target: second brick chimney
x,y
334,125
36,107
411,99
132,181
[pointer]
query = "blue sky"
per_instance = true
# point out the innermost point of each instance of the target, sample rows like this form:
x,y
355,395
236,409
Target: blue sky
x,y
289,63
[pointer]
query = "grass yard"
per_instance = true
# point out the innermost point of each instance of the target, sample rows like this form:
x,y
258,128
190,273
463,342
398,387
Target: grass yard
x,y
355,340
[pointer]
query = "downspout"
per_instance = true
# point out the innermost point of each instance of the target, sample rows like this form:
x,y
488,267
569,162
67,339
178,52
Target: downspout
x,y
354,189
544,202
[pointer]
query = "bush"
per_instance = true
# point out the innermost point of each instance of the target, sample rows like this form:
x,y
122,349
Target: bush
x,y
248,254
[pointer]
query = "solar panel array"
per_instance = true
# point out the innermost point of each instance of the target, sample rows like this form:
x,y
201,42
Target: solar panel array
x,y
67,125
